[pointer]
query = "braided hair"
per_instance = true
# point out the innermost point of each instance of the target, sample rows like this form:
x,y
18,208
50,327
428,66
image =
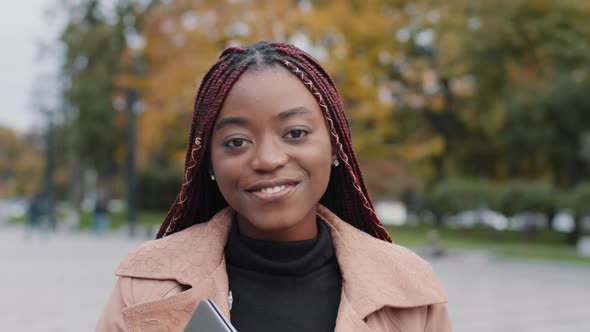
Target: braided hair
x,y
199,198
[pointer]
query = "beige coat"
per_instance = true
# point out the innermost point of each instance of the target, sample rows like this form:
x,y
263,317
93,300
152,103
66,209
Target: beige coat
x,y
385,287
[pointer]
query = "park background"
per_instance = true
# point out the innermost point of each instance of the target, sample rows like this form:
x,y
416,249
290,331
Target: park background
x,y
471,118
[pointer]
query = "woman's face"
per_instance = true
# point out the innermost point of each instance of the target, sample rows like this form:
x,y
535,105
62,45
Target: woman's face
x,y
271,155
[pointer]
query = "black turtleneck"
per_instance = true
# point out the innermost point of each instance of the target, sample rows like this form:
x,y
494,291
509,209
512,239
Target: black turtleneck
x,y
283,286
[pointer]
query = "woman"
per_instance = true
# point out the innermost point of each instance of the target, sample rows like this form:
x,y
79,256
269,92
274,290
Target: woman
x,y
273,221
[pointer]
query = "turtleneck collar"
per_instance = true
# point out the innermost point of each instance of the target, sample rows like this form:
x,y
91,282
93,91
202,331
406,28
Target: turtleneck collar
x,y
292,258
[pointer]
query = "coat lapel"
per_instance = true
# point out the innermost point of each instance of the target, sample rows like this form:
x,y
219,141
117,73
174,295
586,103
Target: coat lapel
x,y
375,274
192,257
378,274
348,320
173,313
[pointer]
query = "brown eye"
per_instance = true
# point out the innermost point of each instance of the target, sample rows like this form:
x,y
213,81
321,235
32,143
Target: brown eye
x,y
296,134
235,143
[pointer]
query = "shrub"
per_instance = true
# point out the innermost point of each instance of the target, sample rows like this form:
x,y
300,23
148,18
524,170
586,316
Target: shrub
x,y
519,196
453,196
578,200
510,197
158,188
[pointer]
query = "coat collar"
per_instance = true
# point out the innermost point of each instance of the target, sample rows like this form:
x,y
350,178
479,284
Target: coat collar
x,y
375,273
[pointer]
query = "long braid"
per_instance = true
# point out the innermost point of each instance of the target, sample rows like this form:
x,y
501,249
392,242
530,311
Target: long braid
x,y
328,92
202,117
199,198
349,164
169,221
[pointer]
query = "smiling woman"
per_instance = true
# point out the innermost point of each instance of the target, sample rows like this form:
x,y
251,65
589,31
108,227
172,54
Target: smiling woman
x,y
272,158
273,221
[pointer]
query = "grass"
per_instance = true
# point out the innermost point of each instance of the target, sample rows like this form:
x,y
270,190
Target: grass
x,y
539,252
117,219
17,220
545,245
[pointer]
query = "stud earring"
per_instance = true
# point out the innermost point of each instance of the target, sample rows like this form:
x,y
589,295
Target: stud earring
x,y
336,163
212,177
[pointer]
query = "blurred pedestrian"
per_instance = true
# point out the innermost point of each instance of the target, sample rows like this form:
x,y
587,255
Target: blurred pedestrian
x,y
273,221
100,218
34,215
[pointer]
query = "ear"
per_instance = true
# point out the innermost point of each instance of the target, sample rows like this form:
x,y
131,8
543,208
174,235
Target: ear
x,y
209,168
207,163
334,154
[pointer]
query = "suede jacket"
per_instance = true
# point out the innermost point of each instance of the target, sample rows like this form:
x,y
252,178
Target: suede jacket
x,y
385,287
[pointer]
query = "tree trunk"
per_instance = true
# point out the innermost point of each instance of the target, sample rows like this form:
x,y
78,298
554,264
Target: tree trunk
x,y
573,236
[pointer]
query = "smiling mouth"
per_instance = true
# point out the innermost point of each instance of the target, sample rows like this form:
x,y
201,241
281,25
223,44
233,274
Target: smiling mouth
x,y
271,192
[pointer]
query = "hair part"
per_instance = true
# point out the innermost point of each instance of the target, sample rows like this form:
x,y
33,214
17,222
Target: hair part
x,y
199,197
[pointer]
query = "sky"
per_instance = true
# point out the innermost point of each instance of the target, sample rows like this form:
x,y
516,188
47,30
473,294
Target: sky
x,y
24,26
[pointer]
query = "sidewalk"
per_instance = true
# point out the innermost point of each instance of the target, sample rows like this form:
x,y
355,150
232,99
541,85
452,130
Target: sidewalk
x,y
61,283
488,294
58,282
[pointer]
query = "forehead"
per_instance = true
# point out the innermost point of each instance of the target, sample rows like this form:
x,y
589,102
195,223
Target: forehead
x,y
270,89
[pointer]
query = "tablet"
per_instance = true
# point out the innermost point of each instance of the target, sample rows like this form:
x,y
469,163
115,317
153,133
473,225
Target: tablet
x,y
208,318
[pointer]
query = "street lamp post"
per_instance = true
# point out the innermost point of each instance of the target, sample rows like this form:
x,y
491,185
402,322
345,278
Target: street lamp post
x,y
131,98
49,171
128,85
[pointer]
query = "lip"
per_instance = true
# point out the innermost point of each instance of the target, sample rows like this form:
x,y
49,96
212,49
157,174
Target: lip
x,y
288,184
272,183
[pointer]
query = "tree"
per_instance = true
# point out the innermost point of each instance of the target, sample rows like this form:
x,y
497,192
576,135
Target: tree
x,y
442,89
529,60
21,162
92,51
94,42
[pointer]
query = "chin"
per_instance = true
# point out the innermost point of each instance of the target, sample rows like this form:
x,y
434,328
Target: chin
x,y
274,224
273,221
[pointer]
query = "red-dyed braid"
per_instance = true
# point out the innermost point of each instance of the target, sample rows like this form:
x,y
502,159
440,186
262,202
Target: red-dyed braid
x,y
327,96
207,106
199,198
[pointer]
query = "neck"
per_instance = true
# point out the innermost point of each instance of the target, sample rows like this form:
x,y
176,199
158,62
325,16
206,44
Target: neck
x,y
305,229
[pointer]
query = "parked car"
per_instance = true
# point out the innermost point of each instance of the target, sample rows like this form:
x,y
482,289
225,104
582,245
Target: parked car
x,y
528,220
564,221
15,208
480,217
391,212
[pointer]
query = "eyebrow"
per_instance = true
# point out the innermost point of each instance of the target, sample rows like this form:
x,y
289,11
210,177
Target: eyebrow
x,y
231,121
293,111
243,121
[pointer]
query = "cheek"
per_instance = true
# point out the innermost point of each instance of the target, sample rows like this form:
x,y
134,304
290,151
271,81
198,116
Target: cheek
x,y
226,178
318,161
225,169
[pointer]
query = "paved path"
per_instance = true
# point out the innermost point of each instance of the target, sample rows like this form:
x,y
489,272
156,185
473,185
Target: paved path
x,y
487,294
57,283
61,283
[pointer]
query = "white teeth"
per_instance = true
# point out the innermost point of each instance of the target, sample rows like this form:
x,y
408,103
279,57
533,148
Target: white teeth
x,y
272,190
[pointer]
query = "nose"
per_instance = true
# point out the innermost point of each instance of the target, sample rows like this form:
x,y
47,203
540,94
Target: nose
x,y
269,155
